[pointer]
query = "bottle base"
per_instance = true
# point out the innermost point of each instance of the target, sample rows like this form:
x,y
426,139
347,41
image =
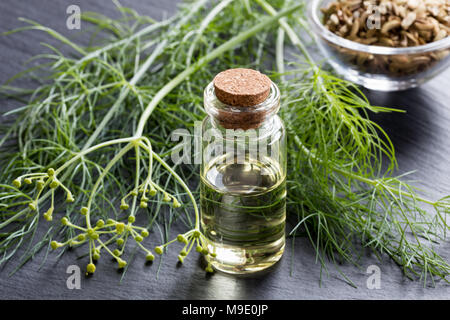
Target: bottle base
x,y
240,261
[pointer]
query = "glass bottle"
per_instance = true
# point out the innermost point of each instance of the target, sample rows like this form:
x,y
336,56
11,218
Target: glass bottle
x,y
243,173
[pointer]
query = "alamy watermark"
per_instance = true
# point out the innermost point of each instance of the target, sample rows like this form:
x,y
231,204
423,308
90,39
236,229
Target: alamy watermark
x,y
373,14
374,280
74,280
74,19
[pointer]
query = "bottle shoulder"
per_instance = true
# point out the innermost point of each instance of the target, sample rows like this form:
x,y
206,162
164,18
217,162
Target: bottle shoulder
x,y
271,127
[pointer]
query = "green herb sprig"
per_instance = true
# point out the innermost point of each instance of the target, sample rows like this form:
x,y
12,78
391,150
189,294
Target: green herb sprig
x,y
140,143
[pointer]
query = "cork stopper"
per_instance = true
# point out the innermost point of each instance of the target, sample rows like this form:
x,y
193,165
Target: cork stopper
x,y
242,89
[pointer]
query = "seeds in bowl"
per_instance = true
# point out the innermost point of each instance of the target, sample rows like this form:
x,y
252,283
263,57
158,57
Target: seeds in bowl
x,y
390,23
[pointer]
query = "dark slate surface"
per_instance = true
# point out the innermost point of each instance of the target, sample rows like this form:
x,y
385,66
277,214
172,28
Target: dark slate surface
x,y
421,137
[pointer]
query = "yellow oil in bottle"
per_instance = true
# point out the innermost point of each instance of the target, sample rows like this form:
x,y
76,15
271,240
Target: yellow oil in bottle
x,y
243,214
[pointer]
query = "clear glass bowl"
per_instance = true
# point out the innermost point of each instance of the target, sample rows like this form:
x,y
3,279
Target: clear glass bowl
x,y
376,67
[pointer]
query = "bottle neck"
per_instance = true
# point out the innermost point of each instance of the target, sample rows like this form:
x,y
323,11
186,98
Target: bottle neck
x,y
260,117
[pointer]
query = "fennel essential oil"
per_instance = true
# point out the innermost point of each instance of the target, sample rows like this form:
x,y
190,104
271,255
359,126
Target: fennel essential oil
x,y
243,215
243,176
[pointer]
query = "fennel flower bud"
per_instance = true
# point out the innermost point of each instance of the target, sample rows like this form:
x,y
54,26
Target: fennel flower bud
x,y
152,192
209,269
32,206
120,227
143,205
55,245
176,203
100,223
70,198
48,214
40,185
65,221
54,184
90,268
17,183
122,263
181,238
